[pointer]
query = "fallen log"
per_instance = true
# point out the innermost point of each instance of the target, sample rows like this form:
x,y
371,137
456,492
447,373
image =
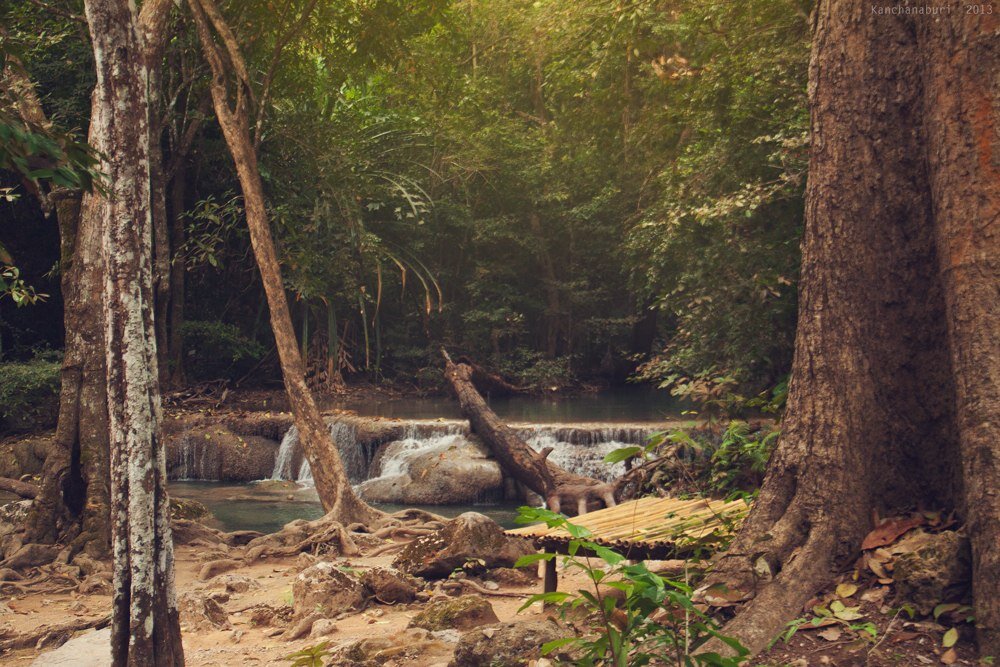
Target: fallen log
x,y
23,489
560,488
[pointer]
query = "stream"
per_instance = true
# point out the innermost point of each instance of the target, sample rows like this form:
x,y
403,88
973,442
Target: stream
x,y
431,461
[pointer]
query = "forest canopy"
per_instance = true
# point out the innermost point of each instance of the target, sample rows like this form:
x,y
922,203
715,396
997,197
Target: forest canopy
x,y
586,192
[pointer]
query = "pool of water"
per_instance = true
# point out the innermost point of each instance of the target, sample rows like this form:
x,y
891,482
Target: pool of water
x,y
625,404
267,506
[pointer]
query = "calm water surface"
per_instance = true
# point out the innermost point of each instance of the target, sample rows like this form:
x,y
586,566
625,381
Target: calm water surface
x,y
267,506
625,404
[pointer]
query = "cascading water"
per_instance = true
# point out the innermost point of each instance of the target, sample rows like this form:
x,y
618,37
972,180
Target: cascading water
x,y
578,449
290,462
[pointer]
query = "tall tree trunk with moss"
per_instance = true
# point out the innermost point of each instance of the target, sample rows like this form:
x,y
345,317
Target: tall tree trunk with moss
x,y
145,623
73,503
330,477
895,391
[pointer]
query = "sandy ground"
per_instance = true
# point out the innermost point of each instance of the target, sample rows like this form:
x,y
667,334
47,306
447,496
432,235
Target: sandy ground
x,y
243,645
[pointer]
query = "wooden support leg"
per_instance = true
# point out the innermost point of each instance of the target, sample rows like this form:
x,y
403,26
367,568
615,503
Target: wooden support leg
x,y
550,581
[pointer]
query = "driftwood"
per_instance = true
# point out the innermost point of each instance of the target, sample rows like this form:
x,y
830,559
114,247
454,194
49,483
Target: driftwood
x,y
560,488
23,489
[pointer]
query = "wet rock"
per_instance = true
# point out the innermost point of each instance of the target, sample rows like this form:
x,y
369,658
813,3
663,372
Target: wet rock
x,y
467,537
199,449
457,471
215,567
323,588
462,613
388,585
200,612
510,644
931,568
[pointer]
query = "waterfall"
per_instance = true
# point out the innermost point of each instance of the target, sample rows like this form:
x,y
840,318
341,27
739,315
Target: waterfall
x,y
287,450
579,449
290,462
193,459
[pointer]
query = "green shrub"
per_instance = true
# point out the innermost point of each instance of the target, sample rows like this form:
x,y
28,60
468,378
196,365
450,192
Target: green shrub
x,y
655,622
739,463
215,350
29,394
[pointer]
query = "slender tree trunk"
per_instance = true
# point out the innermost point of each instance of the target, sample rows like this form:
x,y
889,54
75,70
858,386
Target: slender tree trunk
x,y
332,483
894,395
145,624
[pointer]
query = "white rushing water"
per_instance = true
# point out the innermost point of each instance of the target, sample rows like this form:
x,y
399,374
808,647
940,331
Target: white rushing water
x,y
578,449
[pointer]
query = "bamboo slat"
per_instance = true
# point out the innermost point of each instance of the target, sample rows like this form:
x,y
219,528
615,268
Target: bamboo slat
x,y
647,527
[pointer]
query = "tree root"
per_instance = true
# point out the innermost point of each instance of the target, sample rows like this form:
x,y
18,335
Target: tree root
x,y
459,584
48,635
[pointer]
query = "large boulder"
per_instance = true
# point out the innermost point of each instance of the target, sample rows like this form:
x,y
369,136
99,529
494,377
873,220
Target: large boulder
x,y
454,472
325,589
467,537
931,568
462,613
510,644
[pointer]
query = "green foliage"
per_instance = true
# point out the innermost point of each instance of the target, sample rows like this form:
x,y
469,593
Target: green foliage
x,y
311,656
12,285
29,392
215,350
656,621
739,463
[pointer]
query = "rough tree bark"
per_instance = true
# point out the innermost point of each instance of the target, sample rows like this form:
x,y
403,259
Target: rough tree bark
x,y
72,503
560,488
73,500
332,483
896,381
145,623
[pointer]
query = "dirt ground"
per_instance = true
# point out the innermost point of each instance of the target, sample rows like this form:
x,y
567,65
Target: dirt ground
x,y
244,644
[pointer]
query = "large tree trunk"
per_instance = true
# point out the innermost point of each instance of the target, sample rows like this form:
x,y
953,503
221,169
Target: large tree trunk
x,y
74,497
332,483
894,394
145,624
560,488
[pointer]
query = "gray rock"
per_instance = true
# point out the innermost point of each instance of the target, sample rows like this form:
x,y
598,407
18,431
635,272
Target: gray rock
x,y
931,568
467,537
388,585
200,612
510,644
462,613
325,589
459,471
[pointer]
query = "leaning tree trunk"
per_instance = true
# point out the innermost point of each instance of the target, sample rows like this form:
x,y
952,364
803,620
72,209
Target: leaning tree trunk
x,y
894,395
145,622
560,488
329,475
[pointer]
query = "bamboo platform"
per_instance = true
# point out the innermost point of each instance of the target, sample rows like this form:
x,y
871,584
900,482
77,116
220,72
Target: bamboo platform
x,y
648,528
